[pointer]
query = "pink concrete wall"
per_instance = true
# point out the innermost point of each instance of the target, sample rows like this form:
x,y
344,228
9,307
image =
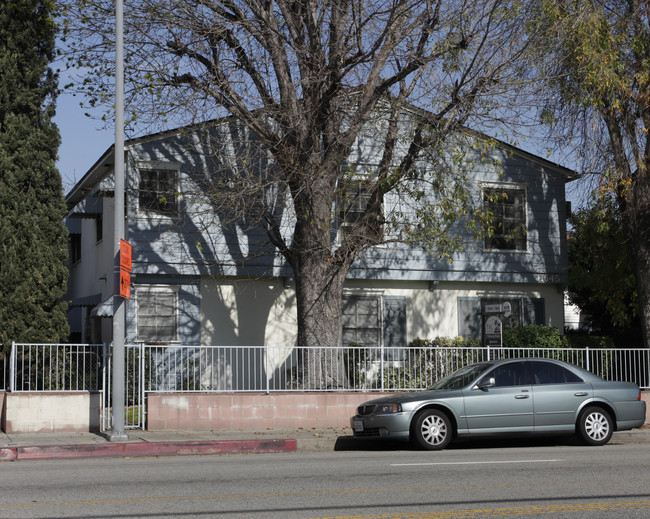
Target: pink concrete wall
x,y
204,411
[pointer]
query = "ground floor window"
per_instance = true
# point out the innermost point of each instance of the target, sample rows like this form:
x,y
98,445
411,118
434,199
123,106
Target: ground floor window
x,y
375,321
157,314
474,312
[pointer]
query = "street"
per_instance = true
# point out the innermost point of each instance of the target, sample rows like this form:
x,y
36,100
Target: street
x,y
389,481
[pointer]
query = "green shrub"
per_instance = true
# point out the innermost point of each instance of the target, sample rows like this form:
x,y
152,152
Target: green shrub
x,y
533,337
582,340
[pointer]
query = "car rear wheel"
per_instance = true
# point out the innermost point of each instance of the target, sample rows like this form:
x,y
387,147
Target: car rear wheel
x,y
432,430
595,426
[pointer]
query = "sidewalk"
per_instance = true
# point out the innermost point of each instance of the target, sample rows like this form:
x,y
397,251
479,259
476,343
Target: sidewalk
x,y
44,445
47,445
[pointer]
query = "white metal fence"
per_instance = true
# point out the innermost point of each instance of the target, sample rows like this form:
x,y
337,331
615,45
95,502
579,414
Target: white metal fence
x,y
86,367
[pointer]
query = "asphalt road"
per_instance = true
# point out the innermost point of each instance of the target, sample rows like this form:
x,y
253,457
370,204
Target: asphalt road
x,y
468,481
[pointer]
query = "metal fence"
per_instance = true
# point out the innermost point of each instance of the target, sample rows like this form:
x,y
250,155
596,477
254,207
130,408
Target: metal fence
x,y
57,367
274,368
4,372
148,368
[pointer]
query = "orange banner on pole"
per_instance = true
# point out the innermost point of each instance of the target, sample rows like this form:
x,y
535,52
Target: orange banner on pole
x,y
125,255
125,284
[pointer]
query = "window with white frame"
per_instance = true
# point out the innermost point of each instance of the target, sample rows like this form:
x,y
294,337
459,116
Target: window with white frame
x,y
360,320
158,192
374,321
508,228
353,200
157,314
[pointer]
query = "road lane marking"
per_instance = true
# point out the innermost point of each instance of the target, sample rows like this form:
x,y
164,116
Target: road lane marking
x,y
471,462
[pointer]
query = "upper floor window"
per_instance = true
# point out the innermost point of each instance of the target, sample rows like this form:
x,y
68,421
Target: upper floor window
x,y
352,205
507,207
99,228
159,191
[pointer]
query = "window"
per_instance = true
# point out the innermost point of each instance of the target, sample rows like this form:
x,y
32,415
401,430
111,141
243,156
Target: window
x,y
353,202
508,210
99,228
75,248
513,374
549,373
360,321
473,313
158,191
157,314
371,321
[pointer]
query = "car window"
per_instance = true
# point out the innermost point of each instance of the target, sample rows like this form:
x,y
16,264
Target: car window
x,y
549,373
512,374
462,377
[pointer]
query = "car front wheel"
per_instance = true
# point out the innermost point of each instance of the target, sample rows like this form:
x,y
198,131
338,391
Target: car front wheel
x,y
432,430
595,426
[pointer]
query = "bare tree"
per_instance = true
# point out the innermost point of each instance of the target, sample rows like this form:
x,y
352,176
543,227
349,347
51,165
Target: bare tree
x,y
308,79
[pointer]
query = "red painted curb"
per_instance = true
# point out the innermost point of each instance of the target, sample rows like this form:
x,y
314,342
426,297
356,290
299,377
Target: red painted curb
x,y
7,454
143,449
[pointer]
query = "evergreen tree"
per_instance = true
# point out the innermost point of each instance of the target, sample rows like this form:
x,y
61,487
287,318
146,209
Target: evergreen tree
x,y
33,238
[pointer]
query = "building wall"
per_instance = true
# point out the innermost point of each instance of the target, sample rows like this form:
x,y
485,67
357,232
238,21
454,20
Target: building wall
x,y
262,312
194,248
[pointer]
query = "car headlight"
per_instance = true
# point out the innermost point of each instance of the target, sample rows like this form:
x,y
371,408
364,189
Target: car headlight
x,y
388,408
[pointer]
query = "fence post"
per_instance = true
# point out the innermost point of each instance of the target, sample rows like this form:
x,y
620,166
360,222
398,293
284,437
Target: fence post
x,y
142,381
266,368
12,370
588,358
381,366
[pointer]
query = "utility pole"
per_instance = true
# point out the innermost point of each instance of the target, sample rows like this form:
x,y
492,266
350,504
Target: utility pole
x,y
118,432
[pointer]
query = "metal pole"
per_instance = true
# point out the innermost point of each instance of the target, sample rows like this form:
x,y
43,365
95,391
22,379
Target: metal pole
x,y
117,423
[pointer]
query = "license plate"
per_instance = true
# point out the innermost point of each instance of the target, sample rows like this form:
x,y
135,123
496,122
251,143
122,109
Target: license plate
x,y
358,426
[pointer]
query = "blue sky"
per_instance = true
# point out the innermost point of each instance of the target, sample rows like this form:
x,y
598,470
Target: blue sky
x,y
83,140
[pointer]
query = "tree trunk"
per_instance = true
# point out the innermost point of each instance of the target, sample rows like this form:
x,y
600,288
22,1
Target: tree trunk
x,y
637,220
319,292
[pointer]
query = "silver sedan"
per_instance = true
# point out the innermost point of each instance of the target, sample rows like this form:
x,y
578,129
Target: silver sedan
x,y
504,397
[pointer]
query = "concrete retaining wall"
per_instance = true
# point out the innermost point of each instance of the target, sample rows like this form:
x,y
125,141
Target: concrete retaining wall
x,y
51,412
203,411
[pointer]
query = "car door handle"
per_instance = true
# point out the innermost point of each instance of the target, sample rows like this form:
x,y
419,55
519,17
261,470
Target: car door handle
x,y
581,393
521,397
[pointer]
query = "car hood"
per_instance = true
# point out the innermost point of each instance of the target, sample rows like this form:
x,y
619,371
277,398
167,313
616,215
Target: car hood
x,y
415,396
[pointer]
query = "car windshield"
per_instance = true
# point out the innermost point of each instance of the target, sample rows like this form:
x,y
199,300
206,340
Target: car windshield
x,y
462,377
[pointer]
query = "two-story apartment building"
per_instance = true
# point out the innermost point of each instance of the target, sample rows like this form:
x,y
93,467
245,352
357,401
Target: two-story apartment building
x,y
197,281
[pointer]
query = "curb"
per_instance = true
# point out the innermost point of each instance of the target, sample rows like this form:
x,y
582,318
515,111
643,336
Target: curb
x,y
144,449
135,449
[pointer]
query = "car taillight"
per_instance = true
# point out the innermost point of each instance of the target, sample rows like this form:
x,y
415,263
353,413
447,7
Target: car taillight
x,y
639,395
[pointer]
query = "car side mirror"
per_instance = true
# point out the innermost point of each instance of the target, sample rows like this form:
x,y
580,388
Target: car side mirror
x,y
485,383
